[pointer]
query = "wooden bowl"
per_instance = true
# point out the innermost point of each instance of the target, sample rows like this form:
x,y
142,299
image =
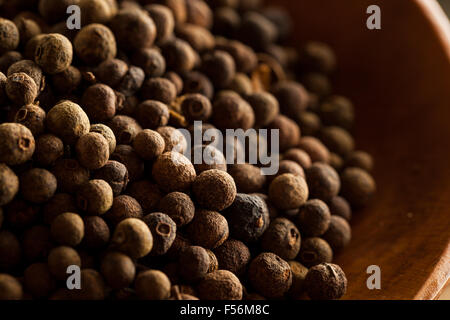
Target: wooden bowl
x,y
399,80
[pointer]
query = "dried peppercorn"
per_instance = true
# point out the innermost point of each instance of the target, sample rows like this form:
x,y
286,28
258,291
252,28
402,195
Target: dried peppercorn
x,y
358,186
214,190
325,281
30,68
360,159
179,207
10,36
68,229
95,43
118,269
178,246
317,56
99,102
282,238
146,193
125,129
270,275
38,280
180,57
248,178
132,237
159,89
10,250
49,148
313,218
233,255
299,273
163,229
337,140
123,207
337,111
10,288
151,61
107,133
58,204
196,107
68,121
95,197
53,53
323,181
248,217
315,149
174,139
173,172
193,263
21,88
60,258
315,251
92,150
70,175
232,112
288,191
133,29
126,155
152,114
197,82
96,232
37,185
289,132
152,285
116,174
219,66
164,21
208,229
9,184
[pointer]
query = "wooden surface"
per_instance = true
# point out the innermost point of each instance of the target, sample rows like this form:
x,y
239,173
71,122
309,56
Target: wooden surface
x,y
399,79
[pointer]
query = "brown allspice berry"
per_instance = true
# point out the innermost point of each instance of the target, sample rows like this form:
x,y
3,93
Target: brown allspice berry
x,y
151,61
220,285
214,190
174,139
317,151
208,229
126,155
358,186
159,89
152,114
149,144
125,129
173,172
95,197
30,68
248,178
339,206
242,84
178,246
37,243
180,57
8,59
233,255
92,286
336,161
288,166
248,217
67,229
325,281
10,288
152,285
257,31
146,193
53,53
92,150
133,29
244,57
270,275
220,67
38,280
107,133
132,82
226,21
337,140
10,36
68,121
315,251
179,207
9,184
111,72
199,13
176,80
21,88
10,250
49,148
211,158
289,132
232,112
37,185
99,102
213,262
317,83
123,207
265,107
96,232
273,212
99,11
323,181
58,204
338,234
118,269
282,238
70,175
288,191
116,174
193,263
60,258
164,20
299,273
337,111
17,144
360,159
196,107
164,231
30,47
199,38
313,218
54,10
309,123
197,82
317,56
132,237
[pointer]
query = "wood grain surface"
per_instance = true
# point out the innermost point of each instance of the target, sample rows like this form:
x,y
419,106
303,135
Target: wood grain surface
x,y
399,79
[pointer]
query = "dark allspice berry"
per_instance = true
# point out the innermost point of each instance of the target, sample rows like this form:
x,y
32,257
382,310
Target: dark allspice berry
x,y
49,148
292,96
325,281
107,133
196,107
340,207
289,132
96,232
248,217
118,269
99,102
265,107
338,234
179,207
32,117
95,197
68,229
313,218
152,114
358,186
282,238
323,181
197,82
38,280
248,178
220,285
163,18
146,193
315,251
70,175
9,36
174,172
95,43
58,204
315,149
159,89
10,250
180,57
208,229
53,53
233,255
214,190
299,273
17,144
125,129
288,191
21,88
9,184
164,231
123,207
151,61
60,258
152,285
232,112
37,185
116,174
270,275
92,150
360,159
126,155
193,263
219,66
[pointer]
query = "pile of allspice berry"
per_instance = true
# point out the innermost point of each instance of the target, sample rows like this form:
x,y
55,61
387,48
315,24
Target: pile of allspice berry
x,y
89,176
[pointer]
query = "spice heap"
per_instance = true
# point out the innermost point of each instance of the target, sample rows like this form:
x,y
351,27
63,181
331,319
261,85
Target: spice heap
x,y
92,171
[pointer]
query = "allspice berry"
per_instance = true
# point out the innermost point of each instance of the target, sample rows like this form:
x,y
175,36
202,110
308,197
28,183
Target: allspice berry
x,y
99,102
323,181
208,229
358,186
58,204
37,185
180,57
9,36
313,218
152,285
95,43
179,207
21,88
210,158
92,150
270,275
196,107
288,191
49,148
282,238
17,144
174,139
220,285
248,178
38,280
53,53
340,207
132,237
159,89
299,273
68,121
214,190
149,144
338,234
289,132
95,197
96,232
125,129
146,193
164,21
60,258
10,287
337,111
9,184
151,61
92,286
107,133
325,281
164,231
10,250
233,255
315,149
173,172
219,66
315,251
70,175
193,263
152,114
360,159
232,112
116,174
265,107
292,96
68,229
337,140
118,269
